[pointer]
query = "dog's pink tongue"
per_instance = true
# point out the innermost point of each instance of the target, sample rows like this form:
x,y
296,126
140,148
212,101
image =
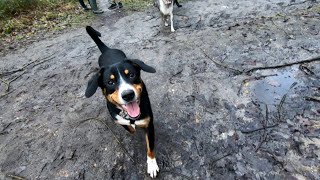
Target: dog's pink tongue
x,y
133,109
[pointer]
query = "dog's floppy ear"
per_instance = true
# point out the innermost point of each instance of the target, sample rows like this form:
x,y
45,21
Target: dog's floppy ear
x,y
143,66
93,84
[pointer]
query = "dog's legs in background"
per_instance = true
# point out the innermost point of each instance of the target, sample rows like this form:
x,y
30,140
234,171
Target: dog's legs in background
x,y
177,3
165,18
171,19
152,168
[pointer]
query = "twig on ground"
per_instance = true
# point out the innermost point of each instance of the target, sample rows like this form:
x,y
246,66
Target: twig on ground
x,y
8,83
312,98
282,101
173,76
282,65
287,34
15,177
274,157
220,64
7,73
44,166
306,70
258,129
264,136
224,156
121,145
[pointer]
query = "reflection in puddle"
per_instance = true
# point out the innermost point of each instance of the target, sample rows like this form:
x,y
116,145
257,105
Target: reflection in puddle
x,y
271,89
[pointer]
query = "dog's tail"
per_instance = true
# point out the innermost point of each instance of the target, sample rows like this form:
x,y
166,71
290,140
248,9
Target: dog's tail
x,y
95,36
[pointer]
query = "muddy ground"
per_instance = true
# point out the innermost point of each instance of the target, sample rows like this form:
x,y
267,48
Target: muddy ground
x,y
214,118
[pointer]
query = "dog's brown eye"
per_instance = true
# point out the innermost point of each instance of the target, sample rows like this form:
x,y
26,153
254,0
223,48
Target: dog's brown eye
x,y
132,75
110,82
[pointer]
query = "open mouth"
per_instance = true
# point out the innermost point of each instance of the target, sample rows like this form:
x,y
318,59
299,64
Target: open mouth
x,y
132,108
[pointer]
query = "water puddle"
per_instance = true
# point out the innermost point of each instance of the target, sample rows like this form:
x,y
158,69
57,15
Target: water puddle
x,y
271,88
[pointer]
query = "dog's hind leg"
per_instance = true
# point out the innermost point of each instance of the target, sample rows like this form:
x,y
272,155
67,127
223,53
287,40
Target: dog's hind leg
x,y
171,21
152,168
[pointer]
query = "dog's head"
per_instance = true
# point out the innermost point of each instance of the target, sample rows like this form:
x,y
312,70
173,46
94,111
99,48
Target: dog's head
x,y
167,2
121,84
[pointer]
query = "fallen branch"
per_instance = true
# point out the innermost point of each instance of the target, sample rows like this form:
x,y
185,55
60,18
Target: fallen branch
x,y
306,70
220,64
282,65
312,98
15,177
258,129
7,73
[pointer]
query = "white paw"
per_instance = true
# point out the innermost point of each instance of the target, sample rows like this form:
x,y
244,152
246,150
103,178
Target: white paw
x,y
172,30
166,24
153,168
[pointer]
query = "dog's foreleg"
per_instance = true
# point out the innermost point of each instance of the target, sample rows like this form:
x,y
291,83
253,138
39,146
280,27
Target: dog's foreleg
x,y
171,19
152,168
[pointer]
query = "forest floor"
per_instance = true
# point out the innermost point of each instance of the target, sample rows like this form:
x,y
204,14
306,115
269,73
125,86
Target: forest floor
x,y
236,96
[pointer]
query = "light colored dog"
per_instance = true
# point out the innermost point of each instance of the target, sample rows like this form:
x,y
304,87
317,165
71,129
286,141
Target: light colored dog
x,y
166,9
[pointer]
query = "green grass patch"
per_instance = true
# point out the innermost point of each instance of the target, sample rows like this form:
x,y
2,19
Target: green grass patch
x,y
137,5
22,19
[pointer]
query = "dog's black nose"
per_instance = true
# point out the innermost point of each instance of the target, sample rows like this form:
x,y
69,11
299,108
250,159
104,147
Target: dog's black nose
x,y
127,95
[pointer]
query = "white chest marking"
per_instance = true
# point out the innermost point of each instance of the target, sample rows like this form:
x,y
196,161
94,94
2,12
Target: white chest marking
x,y
141,123
165,9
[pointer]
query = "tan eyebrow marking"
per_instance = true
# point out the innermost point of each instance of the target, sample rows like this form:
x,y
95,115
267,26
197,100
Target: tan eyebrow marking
x,y
112,76
126,71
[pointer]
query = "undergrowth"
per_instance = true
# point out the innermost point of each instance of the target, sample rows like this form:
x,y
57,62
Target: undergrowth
x,y
22,19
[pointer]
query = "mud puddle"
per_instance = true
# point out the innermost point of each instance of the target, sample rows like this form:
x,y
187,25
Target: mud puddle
x,y
270,88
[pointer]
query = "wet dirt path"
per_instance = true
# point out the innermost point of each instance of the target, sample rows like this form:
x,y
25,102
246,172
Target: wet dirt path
x,y
211,121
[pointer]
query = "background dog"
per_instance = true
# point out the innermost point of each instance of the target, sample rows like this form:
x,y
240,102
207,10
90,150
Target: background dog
x,y
127,97
166,9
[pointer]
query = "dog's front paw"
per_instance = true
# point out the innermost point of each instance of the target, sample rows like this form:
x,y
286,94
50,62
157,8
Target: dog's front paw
x,y
172,30
153,168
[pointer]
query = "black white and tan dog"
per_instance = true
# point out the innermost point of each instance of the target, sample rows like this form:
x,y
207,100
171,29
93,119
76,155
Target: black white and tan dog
x,y
166,9
125,92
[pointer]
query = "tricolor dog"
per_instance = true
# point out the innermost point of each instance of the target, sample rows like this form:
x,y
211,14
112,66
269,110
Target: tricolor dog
x,y
125,93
